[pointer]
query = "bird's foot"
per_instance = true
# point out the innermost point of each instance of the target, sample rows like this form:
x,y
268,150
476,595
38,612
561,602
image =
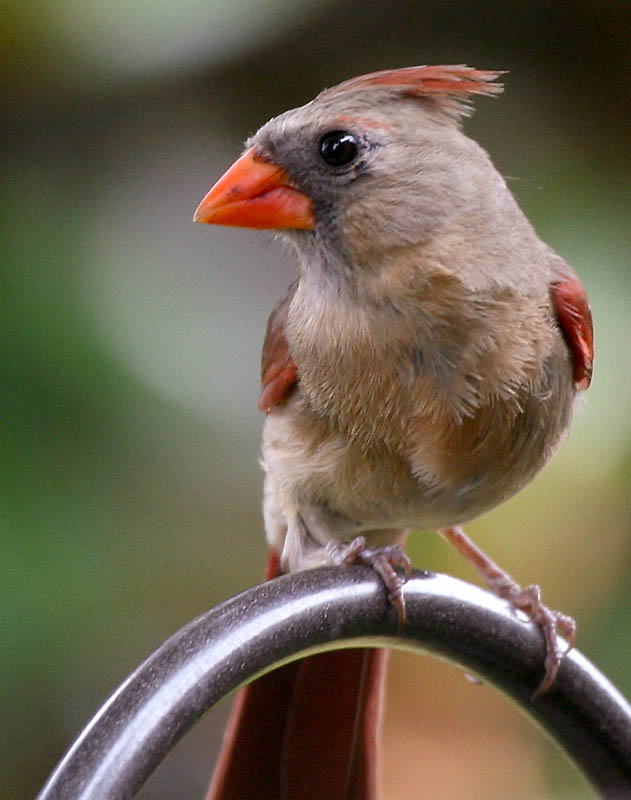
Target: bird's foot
x,y
384,560
550,622
527,600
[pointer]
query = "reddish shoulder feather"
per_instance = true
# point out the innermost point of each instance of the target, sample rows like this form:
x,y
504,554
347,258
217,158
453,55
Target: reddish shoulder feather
x,y
575,320
278,369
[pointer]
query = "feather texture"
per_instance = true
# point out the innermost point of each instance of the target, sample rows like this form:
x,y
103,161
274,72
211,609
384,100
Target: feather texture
x,y
575,320
278,369
448,86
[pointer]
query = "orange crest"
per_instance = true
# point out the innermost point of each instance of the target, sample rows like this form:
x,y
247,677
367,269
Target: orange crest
x,y
448,86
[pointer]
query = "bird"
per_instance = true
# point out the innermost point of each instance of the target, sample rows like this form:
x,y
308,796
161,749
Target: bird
x,y
422,368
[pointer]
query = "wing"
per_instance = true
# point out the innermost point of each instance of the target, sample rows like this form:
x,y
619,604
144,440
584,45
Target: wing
x,y
575,320
278,369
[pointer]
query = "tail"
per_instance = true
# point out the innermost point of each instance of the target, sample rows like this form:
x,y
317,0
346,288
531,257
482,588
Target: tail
x,y
307,730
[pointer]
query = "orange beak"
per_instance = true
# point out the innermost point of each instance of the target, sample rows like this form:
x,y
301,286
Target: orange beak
x,y
255,194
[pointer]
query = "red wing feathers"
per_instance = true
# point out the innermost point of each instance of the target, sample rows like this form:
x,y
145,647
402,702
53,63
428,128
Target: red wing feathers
x,y
278,369
575,320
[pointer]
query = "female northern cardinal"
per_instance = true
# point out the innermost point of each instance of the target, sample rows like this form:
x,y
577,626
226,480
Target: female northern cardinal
x,y
421,369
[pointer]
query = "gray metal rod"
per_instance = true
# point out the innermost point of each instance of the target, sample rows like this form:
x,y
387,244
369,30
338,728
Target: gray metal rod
x,y
324,609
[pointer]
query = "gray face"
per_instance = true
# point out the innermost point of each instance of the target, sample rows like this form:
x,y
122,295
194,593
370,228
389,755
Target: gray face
x,y
325,156
381,171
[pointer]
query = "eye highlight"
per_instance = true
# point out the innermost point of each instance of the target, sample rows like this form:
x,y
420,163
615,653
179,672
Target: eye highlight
x,y
338,148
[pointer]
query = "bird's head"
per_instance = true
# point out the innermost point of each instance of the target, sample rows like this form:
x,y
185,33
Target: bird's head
x,y
375,163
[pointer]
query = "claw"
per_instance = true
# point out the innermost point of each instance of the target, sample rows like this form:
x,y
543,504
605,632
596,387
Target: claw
x,y
384,560
527,600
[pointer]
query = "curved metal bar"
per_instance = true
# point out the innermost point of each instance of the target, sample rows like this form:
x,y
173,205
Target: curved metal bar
x,y
323,609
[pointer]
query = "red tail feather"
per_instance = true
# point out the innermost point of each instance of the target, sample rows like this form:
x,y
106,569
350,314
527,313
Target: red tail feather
x,y
307,730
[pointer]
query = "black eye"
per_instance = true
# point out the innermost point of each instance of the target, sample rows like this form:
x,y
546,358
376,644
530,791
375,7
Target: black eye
x,y
338,148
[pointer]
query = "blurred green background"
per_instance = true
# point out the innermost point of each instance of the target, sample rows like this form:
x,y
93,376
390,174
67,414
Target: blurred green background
x,y
130,341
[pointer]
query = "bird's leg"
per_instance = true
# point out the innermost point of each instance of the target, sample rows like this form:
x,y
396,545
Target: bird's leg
x,y
384,560
527,600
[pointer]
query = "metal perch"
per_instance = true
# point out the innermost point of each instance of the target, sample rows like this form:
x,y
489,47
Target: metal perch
x,y
324,609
